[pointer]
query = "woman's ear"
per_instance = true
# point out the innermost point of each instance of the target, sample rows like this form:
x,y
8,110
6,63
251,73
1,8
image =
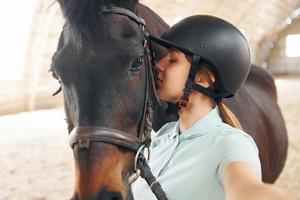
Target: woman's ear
x,y
205,78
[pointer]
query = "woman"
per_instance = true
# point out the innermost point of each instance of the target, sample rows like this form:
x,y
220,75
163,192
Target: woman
x,y
205,155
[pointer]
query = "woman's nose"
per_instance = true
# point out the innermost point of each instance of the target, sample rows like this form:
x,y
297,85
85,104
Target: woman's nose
x,y
159,65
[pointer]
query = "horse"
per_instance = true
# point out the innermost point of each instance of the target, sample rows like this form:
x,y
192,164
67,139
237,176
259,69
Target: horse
x,y
100,63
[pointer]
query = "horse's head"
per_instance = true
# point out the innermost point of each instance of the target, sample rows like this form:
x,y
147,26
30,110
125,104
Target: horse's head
x,y
101,65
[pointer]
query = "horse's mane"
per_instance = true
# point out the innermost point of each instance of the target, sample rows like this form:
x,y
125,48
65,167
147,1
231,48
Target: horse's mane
x,y
84,16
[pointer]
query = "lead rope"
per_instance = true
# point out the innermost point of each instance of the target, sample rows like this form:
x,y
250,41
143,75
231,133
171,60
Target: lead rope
x,y
151,180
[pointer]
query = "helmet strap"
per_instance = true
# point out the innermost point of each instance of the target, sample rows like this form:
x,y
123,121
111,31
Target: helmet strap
x,y
190,85
185,98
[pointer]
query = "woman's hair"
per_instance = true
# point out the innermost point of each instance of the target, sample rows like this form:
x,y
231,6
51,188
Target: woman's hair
x,y
225,113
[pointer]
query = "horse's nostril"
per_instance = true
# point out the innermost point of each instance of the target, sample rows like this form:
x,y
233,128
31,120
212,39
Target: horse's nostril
x,y
117,196
112,197
109,196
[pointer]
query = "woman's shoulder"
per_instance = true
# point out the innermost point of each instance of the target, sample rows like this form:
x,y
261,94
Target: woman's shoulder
x,y
228,131
230,135
234,144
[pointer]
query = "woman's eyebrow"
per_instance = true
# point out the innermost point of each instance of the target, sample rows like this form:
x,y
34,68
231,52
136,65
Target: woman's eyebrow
x,y
175,51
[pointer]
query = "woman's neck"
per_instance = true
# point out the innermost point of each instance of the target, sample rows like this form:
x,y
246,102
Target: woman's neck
x,y
199,107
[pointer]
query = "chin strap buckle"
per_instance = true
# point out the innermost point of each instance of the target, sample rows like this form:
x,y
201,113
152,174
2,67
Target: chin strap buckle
x,y
184,100
183,103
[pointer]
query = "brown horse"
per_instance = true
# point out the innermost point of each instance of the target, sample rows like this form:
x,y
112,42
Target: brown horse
x,y
100,67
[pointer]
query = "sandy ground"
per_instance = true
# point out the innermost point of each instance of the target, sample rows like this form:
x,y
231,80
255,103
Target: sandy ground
x,y
289,100
36,161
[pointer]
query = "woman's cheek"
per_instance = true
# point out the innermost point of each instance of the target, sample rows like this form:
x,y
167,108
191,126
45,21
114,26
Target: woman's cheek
x,y
176,92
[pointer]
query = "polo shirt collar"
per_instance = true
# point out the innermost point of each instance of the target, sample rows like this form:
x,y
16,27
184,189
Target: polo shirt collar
x,y
201,127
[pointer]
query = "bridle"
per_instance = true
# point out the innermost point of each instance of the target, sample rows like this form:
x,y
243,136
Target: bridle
x,y
84,136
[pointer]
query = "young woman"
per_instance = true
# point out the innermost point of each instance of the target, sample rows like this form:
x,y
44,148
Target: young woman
x,y
205,155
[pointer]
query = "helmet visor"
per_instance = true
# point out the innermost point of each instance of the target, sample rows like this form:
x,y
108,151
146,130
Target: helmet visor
x,y
169,44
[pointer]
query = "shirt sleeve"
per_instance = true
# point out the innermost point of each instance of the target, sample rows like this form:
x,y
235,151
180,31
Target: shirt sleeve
x,y
238,147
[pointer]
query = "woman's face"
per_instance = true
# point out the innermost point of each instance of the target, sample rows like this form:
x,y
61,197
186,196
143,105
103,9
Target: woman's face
x,y
173,73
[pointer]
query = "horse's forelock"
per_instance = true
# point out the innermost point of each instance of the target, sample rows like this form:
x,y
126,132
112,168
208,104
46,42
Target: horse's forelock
x,y
79,11
84,15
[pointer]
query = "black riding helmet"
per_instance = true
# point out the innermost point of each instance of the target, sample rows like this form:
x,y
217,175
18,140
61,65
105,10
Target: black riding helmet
x,y
211,40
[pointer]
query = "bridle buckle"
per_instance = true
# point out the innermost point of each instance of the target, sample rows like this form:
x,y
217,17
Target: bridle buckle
x,y
141,155
84,143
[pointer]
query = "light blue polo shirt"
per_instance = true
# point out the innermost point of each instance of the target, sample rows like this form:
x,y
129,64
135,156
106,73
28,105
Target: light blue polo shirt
x,y
188,166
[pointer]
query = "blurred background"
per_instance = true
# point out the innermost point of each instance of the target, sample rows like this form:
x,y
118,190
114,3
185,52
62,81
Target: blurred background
x,y
35,159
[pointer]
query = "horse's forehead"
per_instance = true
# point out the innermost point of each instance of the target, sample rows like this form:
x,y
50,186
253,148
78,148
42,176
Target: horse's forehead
x,y
122,25
110,27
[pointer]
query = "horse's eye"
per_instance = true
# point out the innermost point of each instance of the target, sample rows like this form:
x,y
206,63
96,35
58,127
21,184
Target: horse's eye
x,y
137,64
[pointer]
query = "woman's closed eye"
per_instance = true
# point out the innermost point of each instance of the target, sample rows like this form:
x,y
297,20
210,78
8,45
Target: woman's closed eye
x,y
172,60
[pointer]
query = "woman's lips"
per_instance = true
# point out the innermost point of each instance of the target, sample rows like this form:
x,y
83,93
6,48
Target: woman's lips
x,y
158,82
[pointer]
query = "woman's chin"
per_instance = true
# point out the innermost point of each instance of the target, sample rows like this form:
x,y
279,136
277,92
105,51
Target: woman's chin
x,y
162,96
167,98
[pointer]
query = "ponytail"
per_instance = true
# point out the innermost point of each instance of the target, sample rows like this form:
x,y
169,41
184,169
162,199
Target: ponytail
x,y
227,116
